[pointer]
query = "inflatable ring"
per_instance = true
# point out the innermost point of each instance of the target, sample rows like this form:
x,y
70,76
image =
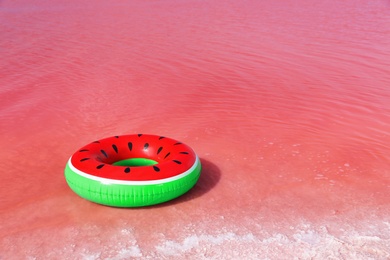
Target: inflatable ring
x,y
132,170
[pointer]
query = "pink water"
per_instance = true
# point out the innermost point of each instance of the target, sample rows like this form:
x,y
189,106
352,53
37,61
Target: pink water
x,y
287,103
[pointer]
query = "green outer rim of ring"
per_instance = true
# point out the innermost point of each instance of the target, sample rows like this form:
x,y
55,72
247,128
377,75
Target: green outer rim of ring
x,y
122,195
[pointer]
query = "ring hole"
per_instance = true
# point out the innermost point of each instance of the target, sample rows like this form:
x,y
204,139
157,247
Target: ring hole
x,y
135,162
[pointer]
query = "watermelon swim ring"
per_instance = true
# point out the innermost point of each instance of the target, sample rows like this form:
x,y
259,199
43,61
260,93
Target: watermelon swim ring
x,y
132,170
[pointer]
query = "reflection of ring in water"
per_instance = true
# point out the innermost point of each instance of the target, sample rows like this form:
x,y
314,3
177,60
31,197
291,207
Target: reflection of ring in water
x,y
133,170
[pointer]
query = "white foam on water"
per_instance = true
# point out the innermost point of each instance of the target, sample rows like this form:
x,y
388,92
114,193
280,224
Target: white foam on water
x,y
307,242
90,256
356,240
126,253
170,248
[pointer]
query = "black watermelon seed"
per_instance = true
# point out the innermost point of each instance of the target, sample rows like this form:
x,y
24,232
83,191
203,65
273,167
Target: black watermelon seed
x,y
176,161
167,155
104,153
146,146
96,142
183,152
161,137
139,135
115,148
130,145
116,136
83,150
84,159
99,166
159,150
156,168
177,143
127,170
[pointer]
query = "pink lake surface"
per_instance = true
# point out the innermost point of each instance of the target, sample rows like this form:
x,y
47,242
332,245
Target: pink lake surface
x,y
287,103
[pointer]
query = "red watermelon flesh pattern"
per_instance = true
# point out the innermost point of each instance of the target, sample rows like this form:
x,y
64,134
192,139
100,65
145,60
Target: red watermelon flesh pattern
x,y
172,157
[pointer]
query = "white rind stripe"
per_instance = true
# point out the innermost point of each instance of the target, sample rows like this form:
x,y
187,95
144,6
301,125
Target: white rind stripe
x,y
151,182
